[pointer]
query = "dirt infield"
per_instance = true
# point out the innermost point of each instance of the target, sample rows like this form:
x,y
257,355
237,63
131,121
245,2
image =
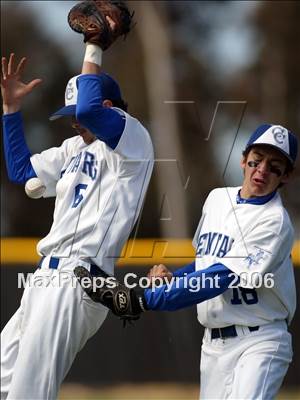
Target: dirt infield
x,y
130,392
144,392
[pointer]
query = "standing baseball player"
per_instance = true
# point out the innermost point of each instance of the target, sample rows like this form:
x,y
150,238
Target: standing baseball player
x,y
99,178
242,278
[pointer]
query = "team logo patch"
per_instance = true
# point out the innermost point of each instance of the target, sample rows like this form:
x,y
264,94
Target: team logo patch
x,y
256,258
279,134
69,91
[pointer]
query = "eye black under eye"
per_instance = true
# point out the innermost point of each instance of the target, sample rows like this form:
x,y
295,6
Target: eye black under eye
x,y
275,170
253,164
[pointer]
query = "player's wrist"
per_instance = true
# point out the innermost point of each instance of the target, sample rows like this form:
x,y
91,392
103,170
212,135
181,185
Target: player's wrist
x,y
93,54
11,108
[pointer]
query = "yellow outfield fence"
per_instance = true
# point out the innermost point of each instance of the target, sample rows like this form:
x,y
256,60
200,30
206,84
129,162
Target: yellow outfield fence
x,y
138,252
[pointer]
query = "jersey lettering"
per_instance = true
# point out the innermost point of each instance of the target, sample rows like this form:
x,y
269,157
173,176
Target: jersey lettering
x,y
223,247
76,163
88,165
214,243
69,167
211,238
217,243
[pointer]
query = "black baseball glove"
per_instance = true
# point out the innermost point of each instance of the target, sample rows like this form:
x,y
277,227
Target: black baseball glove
x,y
90,19
128,304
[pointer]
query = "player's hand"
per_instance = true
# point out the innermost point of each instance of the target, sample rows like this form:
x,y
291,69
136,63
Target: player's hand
x,y
12,88
160,271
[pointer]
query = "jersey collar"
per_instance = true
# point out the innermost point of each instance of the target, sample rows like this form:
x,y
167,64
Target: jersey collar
x,y
255,200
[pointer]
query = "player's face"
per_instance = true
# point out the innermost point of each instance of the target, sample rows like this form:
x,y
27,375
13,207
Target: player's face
x,y
87,136
264,170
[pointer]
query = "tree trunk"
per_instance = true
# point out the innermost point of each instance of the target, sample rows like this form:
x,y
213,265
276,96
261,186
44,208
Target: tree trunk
x,y
169,172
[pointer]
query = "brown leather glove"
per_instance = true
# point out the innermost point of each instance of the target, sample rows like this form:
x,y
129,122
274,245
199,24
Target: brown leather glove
x,y
90,19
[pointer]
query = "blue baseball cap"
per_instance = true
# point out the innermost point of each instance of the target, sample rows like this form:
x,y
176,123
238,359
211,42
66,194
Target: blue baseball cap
x,y
278,137
109,87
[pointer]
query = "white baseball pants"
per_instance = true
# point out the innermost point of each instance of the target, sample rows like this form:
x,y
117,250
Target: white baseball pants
x,y
249,366
41,340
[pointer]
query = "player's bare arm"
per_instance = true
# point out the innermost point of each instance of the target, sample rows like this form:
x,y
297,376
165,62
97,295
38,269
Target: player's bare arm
x,y
13,89
95,54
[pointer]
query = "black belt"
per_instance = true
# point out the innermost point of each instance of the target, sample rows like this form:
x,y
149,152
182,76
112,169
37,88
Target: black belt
x,y
229,331
54,263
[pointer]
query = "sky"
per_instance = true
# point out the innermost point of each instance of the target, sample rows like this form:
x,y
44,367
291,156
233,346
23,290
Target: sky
x,y
58,29
231,42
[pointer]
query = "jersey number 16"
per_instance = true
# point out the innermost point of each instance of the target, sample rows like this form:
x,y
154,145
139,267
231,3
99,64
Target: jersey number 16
x,y
248,295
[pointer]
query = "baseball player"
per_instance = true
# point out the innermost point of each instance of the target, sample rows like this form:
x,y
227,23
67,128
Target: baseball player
x,y
246,348
242,278
99,178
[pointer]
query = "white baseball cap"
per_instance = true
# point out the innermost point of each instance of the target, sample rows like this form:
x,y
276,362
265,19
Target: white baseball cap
x,y
109,89
70,100
278,137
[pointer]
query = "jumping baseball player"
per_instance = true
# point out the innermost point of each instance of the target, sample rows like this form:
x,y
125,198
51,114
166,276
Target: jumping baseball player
x,y
99,178
242,278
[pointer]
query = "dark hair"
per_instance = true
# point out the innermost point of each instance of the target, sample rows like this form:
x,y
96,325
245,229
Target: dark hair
x,y
120,103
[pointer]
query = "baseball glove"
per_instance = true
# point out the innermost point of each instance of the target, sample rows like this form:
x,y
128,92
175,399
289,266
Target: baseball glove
x,y
128,304
90,19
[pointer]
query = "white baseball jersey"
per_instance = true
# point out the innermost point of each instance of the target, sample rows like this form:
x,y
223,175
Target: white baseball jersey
x,y
99,193
254,241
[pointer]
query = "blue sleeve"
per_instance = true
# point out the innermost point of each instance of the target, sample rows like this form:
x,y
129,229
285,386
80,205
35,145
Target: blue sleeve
x,y
17,155
191,289
187,269
104,122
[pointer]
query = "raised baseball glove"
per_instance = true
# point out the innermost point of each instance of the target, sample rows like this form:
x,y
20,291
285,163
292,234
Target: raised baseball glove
x,y
128,304
101,21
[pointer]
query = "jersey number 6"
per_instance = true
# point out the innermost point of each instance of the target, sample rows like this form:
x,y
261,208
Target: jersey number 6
x,y
78,194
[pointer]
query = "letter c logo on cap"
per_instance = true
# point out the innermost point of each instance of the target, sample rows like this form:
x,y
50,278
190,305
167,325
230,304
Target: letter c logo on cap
x,y
279,134
69,91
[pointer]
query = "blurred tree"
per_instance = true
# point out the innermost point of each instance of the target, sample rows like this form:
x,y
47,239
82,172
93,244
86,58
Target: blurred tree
x,y
271,85
159,73
21,34
147,82
198,90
